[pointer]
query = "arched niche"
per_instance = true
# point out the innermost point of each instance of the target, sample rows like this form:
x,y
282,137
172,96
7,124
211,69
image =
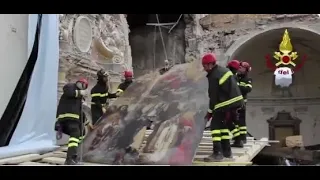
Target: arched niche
x,y
254,47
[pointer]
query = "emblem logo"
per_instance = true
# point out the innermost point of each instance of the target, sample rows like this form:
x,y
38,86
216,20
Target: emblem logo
x,y
285,56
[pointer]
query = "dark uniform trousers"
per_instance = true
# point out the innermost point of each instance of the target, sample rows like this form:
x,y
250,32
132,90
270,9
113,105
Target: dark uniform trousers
x,y
96,113
232,122
245,85
241,125
237,124
70,119
99,96
73,128
220,133
238,128
224,97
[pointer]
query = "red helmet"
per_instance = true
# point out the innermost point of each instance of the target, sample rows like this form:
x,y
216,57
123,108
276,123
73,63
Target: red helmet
x,y
83,83
83,80
245,65
233,64
128,74
209,58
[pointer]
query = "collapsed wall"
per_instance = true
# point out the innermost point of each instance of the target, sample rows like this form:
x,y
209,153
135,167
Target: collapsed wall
x,y
193,37
152,43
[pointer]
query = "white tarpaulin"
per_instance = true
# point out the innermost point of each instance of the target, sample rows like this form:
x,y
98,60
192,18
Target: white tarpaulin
x,y
34,132
283,76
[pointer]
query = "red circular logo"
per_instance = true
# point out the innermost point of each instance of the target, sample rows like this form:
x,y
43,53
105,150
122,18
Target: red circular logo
x,y
286,59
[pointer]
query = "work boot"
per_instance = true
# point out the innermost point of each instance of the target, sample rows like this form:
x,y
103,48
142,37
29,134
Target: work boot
x,y
131,150
244,138
226,149
71,161
238,143
72,157
79,153
216,156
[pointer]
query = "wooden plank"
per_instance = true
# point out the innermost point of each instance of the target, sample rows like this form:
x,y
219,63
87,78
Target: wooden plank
x,y
53,160
223,163
210,145
63,148
34,164
252,152
200,158
19,159
210,152
208,139
159,24
59,152
32,157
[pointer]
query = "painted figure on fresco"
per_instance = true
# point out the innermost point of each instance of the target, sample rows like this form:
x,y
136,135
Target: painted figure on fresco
x,y
286,65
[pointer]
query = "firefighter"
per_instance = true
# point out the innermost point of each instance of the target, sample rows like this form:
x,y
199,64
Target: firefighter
x,y
99,95
128,75
245,85
224,96
233,121
69,116
234,66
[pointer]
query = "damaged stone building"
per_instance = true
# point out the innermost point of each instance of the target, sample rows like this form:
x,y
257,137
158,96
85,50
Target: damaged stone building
x,y
117,42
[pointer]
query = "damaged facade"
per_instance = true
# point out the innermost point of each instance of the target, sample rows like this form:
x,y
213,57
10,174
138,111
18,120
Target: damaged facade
x,y
248,37
89,42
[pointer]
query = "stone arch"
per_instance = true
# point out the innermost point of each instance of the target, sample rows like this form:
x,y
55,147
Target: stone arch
x,y
257,44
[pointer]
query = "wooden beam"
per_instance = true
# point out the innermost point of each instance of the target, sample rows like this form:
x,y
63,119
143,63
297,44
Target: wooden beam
x,y
223,163
160,24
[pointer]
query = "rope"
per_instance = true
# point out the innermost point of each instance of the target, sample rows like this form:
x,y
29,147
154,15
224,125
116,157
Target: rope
x,y
163,45
175,23
154,47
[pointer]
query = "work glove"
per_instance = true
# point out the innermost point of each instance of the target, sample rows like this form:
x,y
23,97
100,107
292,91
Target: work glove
x,y
58,128
112,95
118,93
240,108
208,116
90,127
83,92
